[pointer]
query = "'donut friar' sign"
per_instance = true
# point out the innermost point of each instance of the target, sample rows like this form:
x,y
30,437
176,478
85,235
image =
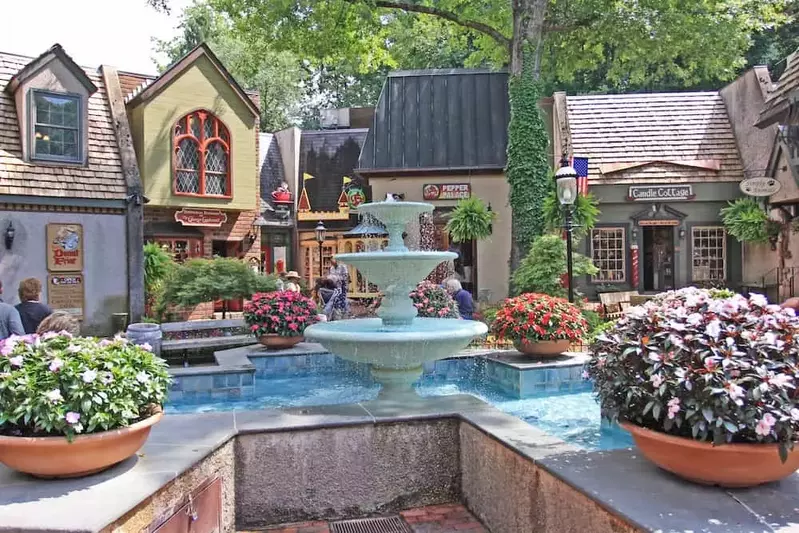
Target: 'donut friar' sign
x,y
64,247
659,193
208,218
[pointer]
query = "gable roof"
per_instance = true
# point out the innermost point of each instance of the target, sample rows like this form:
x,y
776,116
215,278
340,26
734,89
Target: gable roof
x,y
102,176
151,87
654,137
54,52
439,120
777,104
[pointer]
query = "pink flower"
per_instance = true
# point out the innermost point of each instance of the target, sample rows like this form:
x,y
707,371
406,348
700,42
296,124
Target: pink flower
x,y
780,380
8,346
293,326
146,346
56,365
674,407
735,392
764,426
710,364
657,380
72,417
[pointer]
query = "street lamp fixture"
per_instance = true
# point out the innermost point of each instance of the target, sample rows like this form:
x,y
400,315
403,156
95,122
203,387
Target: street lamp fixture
x,y
321,232
566,185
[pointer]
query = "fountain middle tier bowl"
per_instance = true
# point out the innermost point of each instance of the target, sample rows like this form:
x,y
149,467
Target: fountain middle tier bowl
x,y
367,340
389,268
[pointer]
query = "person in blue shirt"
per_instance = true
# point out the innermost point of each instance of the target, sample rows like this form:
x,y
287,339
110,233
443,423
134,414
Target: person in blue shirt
x,y
462,297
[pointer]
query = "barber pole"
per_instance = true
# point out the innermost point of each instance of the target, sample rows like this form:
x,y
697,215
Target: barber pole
x,y
634,255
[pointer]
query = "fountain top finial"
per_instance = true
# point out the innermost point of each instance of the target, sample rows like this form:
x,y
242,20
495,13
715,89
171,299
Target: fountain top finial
x,y
390,197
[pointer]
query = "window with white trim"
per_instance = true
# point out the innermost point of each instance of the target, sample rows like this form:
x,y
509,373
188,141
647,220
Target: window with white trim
x,y
708,253
609,254
56,120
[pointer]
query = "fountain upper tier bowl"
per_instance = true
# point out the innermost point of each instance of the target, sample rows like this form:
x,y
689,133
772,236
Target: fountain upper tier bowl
x,y
395,268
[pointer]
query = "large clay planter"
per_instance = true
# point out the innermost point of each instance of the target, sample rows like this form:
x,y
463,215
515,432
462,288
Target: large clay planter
x,y
278,342
542,349
55,457
726,465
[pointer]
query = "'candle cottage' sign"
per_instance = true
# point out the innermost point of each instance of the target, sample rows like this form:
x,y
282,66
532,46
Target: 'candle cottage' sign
x,y
659,193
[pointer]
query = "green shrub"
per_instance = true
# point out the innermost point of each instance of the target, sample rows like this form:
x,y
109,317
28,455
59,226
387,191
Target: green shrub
x,y
541,270
470,220
584,215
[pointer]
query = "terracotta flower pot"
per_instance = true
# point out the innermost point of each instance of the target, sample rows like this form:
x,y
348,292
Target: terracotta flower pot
x,y
542,348
726,465
56,457
274,341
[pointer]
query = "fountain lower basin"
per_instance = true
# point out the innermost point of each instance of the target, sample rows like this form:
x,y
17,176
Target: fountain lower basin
x,y
396,353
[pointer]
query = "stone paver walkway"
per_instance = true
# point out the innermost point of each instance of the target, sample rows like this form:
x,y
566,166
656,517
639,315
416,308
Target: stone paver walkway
x,y
449,518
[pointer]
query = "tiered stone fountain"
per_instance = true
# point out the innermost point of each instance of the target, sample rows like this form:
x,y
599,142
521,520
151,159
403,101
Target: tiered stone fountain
x,y
398,343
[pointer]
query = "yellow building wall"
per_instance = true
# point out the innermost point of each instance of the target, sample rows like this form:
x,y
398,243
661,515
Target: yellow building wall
x,y
492,253
200,86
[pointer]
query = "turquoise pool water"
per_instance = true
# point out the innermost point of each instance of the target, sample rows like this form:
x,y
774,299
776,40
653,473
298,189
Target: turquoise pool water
x,y
572,416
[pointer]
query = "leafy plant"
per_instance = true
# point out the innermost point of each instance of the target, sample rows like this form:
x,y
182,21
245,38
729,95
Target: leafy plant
x,y
745,220
57,384
283,313
470,220
538,317
542,269
703,365
585,213
433,301
208,280
157,264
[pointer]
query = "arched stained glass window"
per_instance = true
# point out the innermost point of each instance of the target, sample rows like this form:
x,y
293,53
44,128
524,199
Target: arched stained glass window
x,y
202,156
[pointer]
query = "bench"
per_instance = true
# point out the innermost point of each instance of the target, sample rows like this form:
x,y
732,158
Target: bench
x,y
614,303
201,338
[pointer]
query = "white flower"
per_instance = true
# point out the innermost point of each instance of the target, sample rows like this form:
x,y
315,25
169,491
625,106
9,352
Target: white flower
x,y
56,365
795,414
47,335
72,417
713,329
4,375
674,407
142,377
16,361
758,300
54,396
694,319
74,348
107,378
780,380
769,338
635,312
657,380
89,376
146,346
120,338
764,426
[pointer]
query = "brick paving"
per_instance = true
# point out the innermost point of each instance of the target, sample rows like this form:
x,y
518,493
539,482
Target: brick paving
x,y
449,518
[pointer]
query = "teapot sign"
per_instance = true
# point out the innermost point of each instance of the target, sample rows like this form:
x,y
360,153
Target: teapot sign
x,y
760,186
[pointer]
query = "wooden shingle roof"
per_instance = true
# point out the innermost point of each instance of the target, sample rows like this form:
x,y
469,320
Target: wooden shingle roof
x,y
776,104
101,178
660,137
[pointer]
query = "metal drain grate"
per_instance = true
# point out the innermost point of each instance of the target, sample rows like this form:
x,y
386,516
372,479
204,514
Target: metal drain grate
x,y
391,524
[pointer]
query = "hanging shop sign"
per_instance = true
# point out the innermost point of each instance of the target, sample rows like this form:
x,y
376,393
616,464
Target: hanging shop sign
x,y
207,218
654,222
64,247
355,197
659,193
446,191
65,292
760,186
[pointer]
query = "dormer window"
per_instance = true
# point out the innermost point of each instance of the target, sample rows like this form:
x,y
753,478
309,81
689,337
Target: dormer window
x,y
201,145
56,126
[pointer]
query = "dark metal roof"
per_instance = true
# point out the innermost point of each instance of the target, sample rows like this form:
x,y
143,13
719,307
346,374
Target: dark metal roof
x,y
329,156
434,120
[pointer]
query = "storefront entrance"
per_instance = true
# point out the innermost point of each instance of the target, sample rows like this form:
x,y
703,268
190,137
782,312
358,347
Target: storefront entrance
x,y
658,258
226,249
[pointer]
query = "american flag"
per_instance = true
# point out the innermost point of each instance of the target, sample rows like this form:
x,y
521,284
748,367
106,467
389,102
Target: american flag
x,y
580,165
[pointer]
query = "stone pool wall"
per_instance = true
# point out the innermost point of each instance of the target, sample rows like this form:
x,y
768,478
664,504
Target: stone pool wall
x,y
154,511
345,472
509,493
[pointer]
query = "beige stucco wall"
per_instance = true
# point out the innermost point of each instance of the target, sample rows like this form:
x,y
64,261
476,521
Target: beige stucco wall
x,y
492,253
55,77
201,86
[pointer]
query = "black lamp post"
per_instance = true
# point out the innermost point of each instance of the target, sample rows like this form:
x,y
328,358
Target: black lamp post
x,y
566,181
320,238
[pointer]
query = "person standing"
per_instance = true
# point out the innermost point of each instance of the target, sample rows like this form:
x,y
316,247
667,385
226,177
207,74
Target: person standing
x,y
280,284
10,324
462,297
292,282
31,310
341,276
